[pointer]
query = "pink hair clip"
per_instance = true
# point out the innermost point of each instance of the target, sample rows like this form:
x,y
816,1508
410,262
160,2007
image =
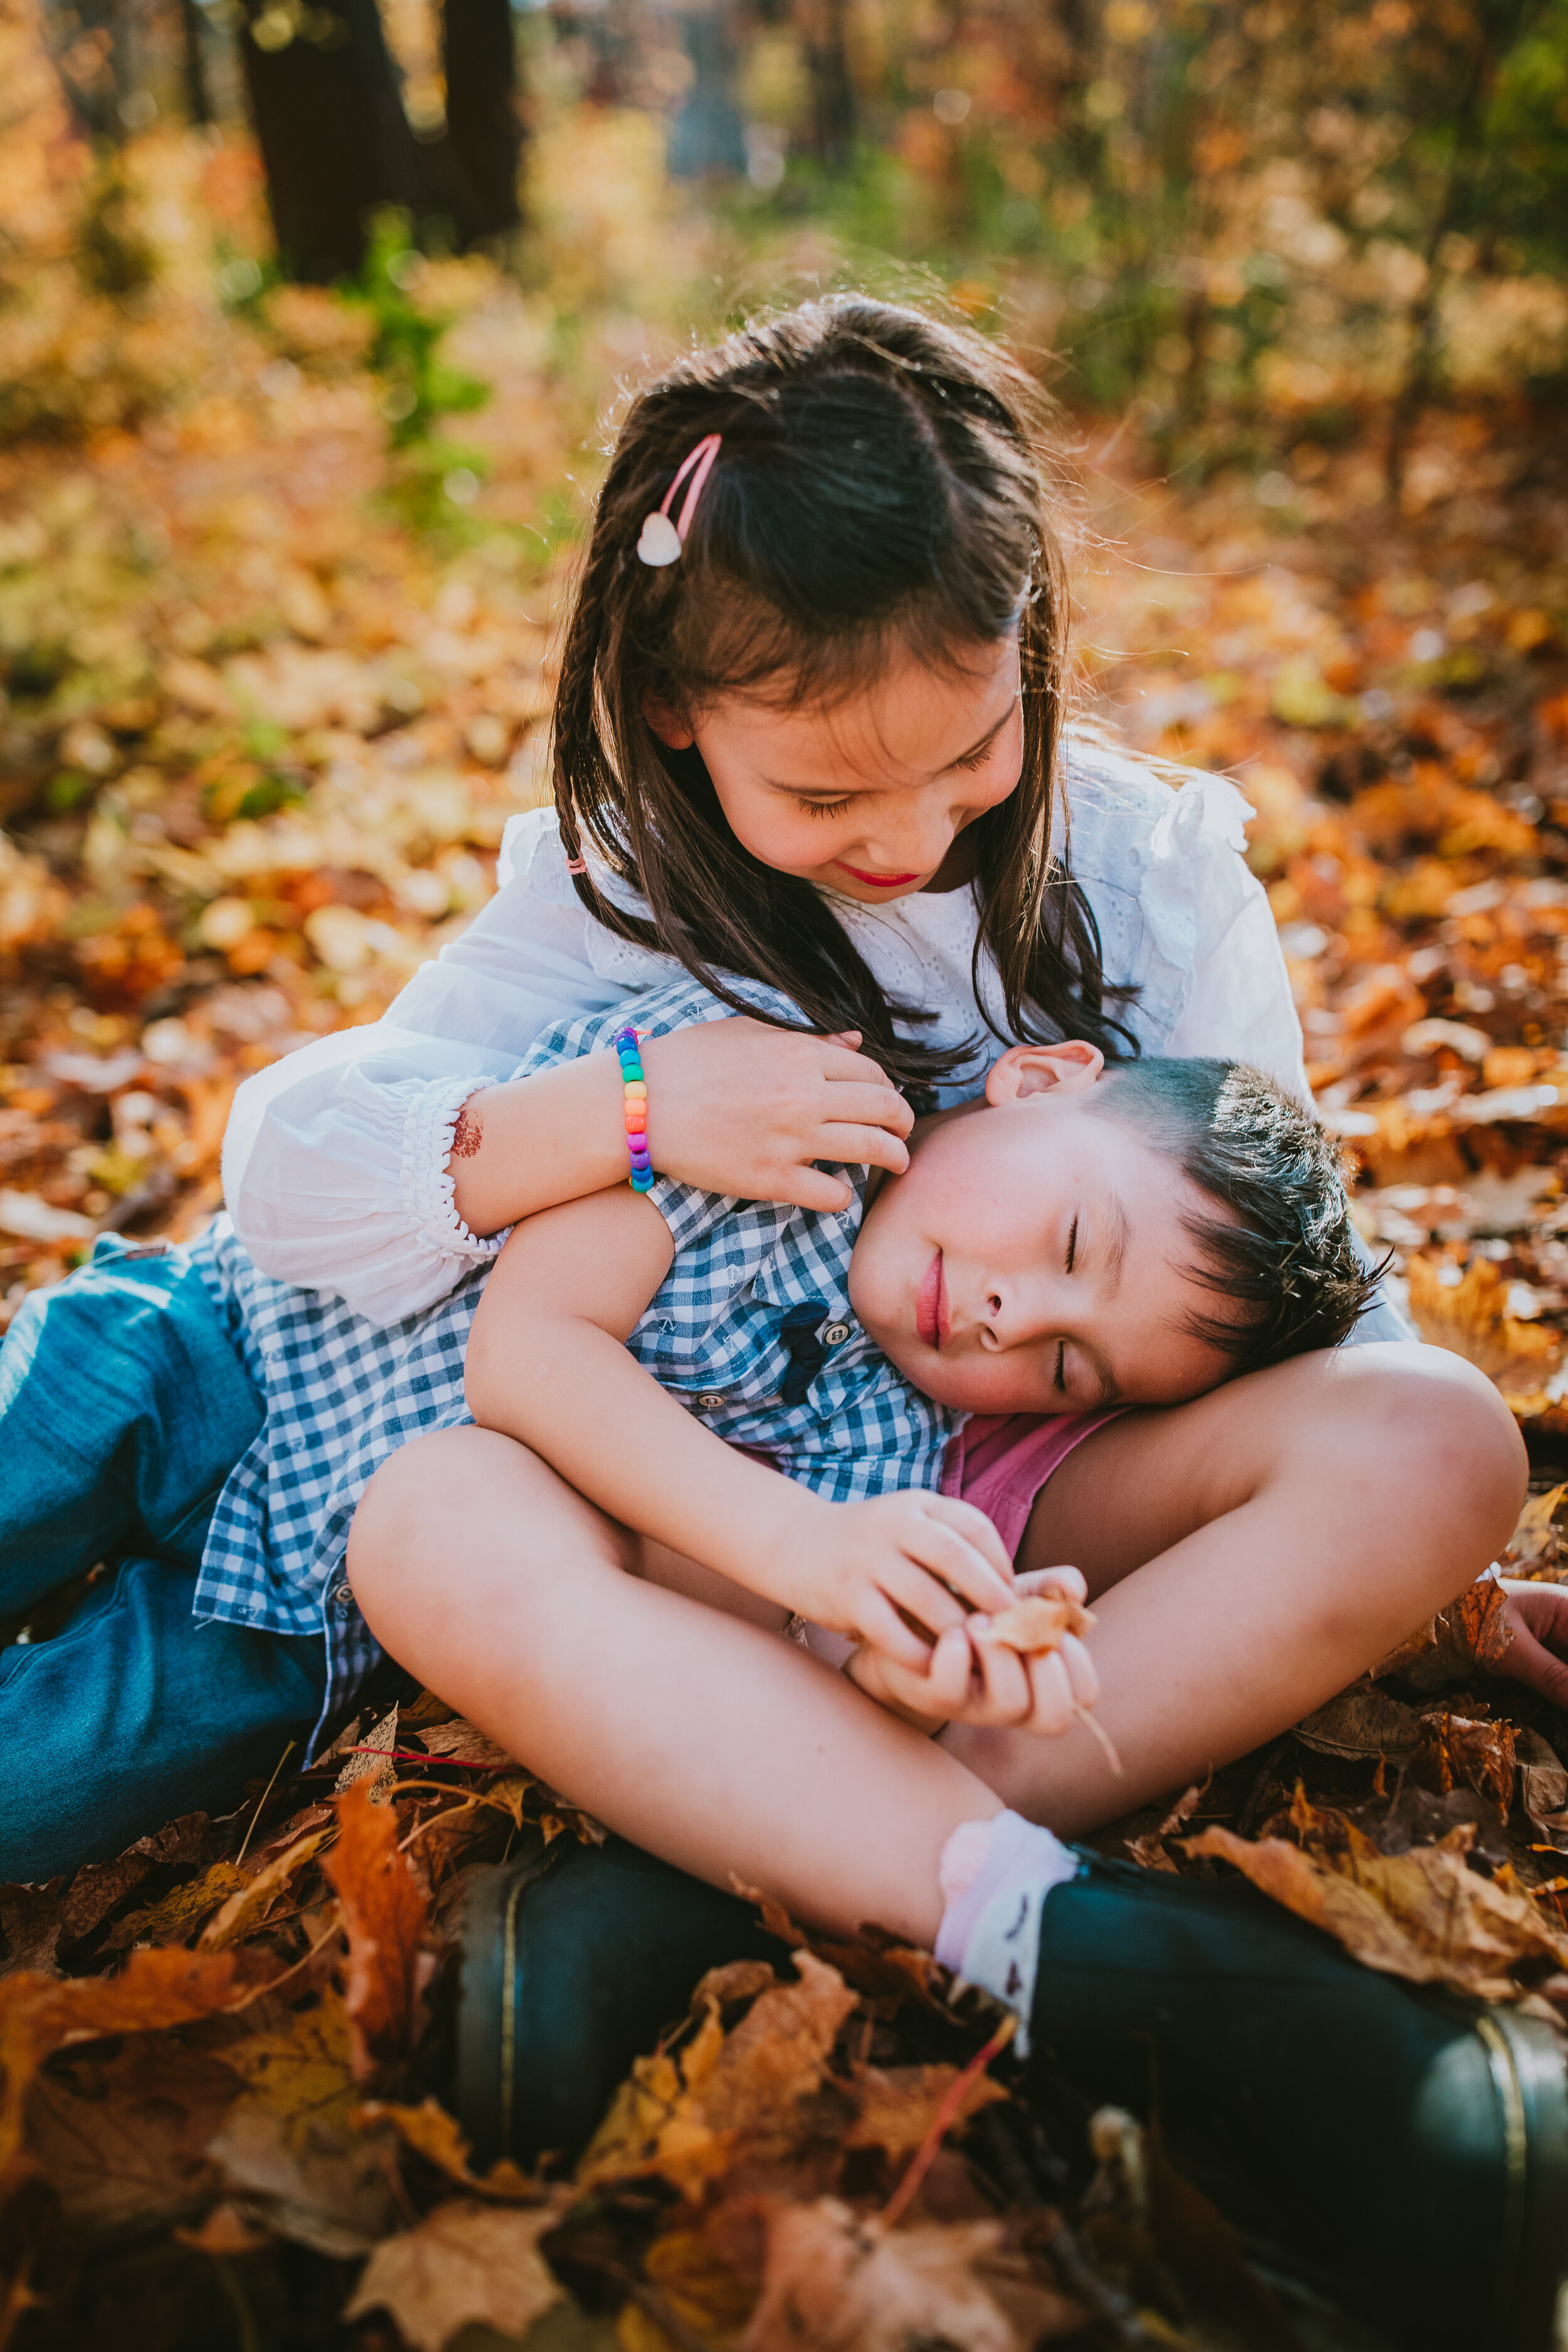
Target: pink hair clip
x,y
576,866
662,540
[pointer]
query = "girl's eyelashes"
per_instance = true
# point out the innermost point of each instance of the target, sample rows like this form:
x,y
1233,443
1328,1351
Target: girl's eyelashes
x,y
1072,1244
1060,1383
825,808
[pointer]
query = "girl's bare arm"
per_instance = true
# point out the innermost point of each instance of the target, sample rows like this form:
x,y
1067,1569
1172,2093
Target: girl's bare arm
x,y
735,1107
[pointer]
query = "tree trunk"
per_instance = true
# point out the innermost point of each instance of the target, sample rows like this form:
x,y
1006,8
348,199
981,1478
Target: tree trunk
x,y
831,138
198,98
483,147
333,136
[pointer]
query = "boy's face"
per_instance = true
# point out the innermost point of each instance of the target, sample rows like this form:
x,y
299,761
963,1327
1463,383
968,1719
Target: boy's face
x,y
1033,1259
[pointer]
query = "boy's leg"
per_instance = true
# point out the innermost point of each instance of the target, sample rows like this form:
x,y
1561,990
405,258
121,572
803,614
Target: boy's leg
x,y
123,1407
1249,1554
134,1713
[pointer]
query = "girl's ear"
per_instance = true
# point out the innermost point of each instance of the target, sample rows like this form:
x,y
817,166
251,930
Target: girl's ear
x,y
1023,1070
666,724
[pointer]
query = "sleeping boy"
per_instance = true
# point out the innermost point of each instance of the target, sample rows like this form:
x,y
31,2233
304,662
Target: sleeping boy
x,y
1080,1241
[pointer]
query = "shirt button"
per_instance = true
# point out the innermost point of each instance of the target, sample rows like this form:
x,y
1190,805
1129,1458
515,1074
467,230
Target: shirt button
x,y
836,1335
342,1596
711,1403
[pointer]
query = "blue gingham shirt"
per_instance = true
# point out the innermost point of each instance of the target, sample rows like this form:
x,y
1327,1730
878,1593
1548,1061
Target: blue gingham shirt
x,y
752,1329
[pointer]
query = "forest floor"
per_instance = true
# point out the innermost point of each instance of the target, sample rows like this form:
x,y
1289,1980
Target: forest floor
x,y
263,732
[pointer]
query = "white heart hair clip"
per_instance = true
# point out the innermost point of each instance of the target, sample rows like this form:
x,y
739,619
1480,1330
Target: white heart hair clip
x,y
662,540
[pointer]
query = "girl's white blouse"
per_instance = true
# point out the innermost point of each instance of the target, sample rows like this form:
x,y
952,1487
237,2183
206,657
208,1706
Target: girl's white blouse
x,y
335,1160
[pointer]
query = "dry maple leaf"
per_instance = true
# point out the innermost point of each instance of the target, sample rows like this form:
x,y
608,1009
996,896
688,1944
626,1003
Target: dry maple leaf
x,y
1456,1752
898,2109
688,2119
1422,1914
245,1907
439,2137
293,2140
171,1919
841,2281
155,1989
385,1920
465,2264
1474,1631
122,2141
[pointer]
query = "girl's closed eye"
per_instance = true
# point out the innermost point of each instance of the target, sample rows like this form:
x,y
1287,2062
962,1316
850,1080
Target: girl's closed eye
x,y
1072,1245
1059,1382
825,808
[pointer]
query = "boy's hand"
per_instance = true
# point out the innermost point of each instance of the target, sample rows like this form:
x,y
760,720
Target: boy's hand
x,y
740,1108
970,1678
884,1567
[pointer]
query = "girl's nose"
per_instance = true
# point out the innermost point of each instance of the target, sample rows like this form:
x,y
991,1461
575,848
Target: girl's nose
x,y
919,834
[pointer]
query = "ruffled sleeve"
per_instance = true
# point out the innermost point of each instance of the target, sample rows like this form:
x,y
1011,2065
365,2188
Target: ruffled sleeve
x,y
1182,918
335,1159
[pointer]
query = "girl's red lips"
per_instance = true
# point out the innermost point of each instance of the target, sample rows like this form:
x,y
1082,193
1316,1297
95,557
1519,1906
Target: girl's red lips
x,y
931,1306
878,881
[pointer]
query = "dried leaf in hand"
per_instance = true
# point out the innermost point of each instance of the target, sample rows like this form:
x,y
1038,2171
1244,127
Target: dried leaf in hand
x,y
842,2283
1422,1914
1040,1621
465,2264
385,1916
1455,1751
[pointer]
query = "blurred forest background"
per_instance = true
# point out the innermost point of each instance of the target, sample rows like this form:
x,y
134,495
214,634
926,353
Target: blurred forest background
x,y
315,320
314,315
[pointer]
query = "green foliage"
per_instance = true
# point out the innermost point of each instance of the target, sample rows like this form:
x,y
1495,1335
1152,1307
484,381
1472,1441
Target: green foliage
x,y
434,479
419,389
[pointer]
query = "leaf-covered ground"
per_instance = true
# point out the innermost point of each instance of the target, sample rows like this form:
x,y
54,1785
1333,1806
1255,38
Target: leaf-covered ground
x,y
268,709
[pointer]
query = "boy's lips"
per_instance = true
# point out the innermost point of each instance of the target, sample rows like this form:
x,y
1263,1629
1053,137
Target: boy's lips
x,y
931,1306
877,881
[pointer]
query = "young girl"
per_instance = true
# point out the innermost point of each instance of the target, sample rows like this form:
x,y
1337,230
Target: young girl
x,y
819,749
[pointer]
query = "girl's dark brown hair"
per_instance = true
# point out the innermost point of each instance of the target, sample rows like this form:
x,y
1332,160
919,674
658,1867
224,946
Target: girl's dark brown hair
x,y
881,491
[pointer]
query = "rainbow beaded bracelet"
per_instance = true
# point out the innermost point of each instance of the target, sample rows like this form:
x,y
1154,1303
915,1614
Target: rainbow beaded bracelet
x,y
635,1086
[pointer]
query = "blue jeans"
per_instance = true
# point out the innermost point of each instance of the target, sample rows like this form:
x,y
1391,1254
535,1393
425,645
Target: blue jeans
x,y
123,1407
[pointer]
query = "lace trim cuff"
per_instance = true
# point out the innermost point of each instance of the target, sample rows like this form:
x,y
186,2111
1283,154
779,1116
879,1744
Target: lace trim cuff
x,y
429,1193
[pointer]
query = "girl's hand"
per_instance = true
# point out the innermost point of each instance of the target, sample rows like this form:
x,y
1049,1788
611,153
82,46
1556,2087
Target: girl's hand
x,y
1538,1654
969,1679
884,1567
737,1107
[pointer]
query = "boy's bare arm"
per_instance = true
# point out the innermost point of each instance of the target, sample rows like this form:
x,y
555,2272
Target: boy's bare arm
x,y
547,1365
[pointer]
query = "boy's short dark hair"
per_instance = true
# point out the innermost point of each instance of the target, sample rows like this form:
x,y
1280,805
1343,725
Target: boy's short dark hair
x,y
1285,1249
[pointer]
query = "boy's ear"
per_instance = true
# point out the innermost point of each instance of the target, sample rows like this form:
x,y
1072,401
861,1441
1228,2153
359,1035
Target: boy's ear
x,y
666,724
1023,1070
